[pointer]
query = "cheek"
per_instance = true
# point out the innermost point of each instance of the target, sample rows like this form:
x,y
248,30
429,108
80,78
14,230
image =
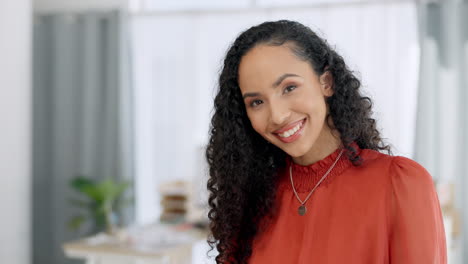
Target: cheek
x,y
258,122
312,105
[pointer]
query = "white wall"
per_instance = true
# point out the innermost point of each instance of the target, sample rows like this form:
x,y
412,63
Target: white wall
x,y
15,129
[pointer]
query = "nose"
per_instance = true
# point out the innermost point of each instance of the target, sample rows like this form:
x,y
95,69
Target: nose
x,y
279,113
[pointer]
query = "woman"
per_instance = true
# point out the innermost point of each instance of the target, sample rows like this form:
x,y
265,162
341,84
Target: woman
x,y
296,169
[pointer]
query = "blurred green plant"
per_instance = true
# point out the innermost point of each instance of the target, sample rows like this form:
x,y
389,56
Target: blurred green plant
x,y
104,201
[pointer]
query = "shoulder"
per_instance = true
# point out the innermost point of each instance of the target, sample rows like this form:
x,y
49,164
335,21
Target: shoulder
x,y
398,168
411,175
405,165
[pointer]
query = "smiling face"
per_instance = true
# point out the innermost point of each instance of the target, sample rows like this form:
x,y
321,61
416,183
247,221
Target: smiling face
x,y
285,101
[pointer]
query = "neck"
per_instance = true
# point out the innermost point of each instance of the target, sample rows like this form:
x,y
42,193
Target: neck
x,y
326,144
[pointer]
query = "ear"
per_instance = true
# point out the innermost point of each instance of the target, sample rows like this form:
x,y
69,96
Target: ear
x,y
326,82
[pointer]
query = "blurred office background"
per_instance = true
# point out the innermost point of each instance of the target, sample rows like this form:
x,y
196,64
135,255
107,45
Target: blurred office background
x,y
123,89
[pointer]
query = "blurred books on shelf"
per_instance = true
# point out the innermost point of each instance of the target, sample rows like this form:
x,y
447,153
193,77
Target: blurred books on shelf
x,y
180,201
174,198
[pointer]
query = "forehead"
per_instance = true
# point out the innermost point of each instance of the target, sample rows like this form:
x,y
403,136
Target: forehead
x,y
263,64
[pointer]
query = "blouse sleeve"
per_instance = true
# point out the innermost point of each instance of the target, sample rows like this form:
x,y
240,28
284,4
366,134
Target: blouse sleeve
x,y
416,227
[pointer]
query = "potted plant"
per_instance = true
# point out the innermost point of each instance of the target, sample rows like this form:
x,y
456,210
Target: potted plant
x,y
101,203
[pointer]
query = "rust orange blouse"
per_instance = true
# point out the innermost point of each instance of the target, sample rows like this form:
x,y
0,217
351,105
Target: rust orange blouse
x,y
384,211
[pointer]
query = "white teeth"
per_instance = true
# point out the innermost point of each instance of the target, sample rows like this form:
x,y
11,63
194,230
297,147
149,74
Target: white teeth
x,y
291,131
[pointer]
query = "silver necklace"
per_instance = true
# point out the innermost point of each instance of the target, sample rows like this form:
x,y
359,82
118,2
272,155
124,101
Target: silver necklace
x,y
302,208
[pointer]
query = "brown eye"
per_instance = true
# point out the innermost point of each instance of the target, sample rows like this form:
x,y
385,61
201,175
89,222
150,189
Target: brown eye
x,y
255,103
289,88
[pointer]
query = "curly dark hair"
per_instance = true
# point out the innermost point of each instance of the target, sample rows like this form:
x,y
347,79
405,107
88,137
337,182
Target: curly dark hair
x,y
243,166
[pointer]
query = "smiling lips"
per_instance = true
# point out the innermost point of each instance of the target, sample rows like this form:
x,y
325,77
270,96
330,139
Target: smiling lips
x,y
291,132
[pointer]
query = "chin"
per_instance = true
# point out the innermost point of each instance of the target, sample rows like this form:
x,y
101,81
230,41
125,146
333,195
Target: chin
x,y
296,153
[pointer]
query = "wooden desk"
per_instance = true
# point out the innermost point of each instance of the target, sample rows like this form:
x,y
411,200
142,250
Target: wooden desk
x,y
139,246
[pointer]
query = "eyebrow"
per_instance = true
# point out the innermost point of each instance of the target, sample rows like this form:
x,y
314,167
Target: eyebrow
x,y
282,77
274,85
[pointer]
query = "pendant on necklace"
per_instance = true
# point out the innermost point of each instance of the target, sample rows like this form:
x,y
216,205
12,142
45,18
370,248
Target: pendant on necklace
x,y
302,210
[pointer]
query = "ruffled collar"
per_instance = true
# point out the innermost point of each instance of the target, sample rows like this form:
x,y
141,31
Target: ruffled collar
x,y
306,177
